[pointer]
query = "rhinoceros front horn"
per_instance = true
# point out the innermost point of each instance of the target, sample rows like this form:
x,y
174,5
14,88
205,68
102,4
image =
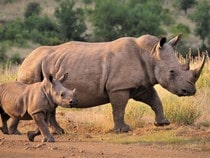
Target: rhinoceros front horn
x,y
197,72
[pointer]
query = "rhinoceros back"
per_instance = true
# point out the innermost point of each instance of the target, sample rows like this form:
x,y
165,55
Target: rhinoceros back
x,y
30,70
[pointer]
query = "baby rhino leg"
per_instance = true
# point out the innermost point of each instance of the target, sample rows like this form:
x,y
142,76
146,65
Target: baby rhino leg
x,y
41,121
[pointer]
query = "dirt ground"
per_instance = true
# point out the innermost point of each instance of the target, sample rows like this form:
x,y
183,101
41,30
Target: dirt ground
x,y
80,141
64,147
74,145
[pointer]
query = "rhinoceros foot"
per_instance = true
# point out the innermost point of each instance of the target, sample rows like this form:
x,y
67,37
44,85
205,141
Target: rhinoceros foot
x,y
163,122
15,132
122,129
4,130
30,136
48,139
59,131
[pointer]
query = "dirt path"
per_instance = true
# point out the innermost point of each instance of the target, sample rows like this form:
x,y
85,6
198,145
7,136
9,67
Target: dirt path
x,y
19,147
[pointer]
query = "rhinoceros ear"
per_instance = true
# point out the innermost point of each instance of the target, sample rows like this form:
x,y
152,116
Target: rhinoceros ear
x,y
175,40
50,78
161,42
63,78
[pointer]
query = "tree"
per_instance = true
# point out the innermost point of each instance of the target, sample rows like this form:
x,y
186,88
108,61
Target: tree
x,y
108,18
113,19
42,30
71,21
186,4
33,8
202,20
144,17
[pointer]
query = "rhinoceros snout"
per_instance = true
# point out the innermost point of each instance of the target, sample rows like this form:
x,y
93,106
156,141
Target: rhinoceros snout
x,y
73,102
187,92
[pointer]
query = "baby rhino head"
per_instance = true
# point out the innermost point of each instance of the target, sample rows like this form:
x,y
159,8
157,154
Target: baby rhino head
x,y
61,95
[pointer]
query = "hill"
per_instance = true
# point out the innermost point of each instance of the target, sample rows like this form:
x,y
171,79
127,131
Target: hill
x,y
14,10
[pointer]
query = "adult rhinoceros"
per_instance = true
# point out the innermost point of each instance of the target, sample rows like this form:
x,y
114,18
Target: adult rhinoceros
x,y
115,72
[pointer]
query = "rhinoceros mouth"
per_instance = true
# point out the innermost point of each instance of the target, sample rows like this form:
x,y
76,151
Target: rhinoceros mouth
x,y
185,92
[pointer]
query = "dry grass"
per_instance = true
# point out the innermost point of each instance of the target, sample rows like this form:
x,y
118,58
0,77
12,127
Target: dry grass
x,y
8,73
93,123
182,110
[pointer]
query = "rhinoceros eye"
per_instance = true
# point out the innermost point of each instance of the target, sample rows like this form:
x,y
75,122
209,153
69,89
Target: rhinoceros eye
x,y
62,94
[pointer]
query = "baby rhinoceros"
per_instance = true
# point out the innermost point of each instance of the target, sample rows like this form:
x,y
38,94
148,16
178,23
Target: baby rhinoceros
x,y
19,101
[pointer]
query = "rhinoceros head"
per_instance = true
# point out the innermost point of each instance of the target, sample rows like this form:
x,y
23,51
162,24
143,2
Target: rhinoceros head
x,y
172,75
59,94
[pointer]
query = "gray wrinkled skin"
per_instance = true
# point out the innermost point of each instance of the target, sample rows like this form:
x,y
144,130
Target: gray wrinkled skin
x,y
35,101
115,72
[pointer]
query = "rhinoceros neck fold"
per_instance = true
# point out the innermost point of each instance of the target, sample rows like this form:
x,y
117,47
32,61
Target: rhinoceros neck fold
x,y
47,93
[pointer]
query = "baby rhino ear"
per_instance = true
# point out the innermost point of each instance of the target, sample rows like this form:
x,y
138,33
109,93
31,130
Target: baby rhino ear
x,y
50,77
63,78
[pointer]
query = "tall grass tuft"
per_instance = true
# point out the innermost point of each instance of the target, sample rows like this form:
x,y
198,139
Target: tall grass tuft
x,y
181,110
134,114
8,73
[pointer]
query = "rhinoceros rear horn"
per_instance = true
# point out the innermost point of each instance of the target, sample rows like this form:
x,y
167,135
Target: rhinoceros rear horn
x,y
196,72
186,66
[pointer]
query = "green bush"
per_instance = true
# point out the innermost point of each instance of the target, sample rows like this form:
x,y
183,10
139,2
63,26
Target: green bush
x,y
13,31
42,30
3,56
15,59
70,20
180,28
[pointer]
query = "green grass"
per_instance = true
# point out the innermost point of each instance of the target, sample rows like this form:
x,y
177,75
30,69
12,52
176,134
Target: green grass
x,y
151,136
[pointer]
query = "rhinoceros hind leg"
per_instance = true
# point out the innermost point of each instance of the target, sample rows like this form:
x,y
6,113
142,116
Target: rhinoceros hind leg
x,y
4,118
4,130
12,127
55,127
163,122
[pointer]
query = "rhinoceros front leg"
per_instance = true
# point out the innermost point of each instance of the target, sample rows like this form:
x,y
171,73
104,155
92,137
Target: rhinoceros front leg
x,y
151,98
119,100
41,121
56,129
